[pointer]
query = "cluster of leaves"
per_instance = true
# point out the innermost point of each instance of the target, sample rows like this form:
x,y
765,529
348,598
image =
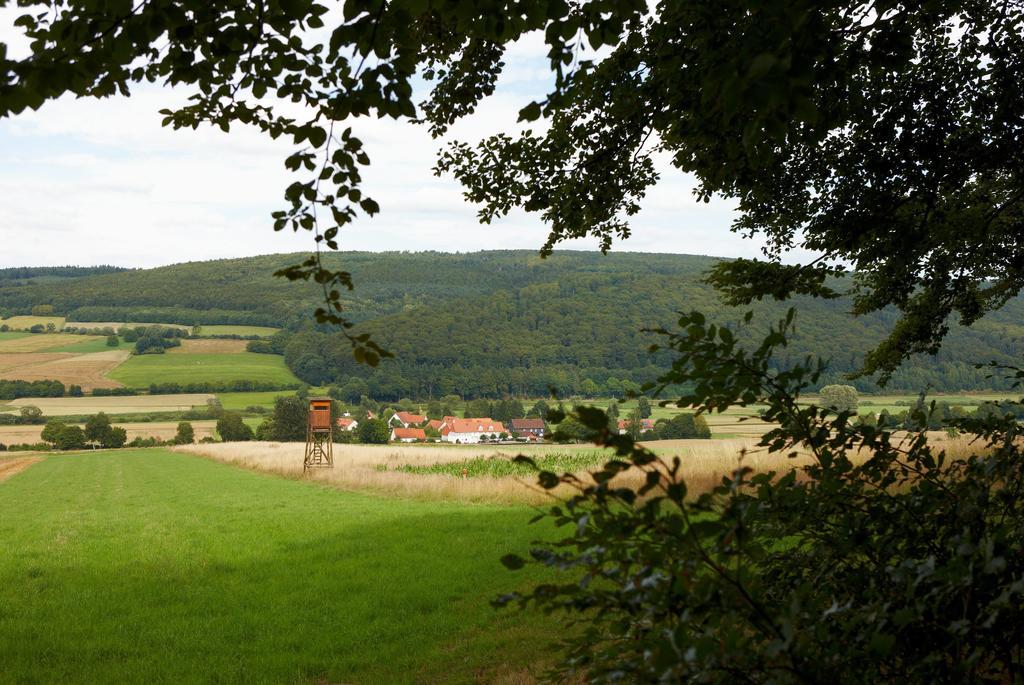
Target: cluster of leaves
x,y
884,560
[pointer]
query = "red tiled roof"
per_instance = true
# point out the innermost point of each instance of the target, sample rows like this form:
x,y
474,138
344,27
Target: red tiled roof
x,y
434,423
345,422
475,425
645,424
525,424
409,434
409,417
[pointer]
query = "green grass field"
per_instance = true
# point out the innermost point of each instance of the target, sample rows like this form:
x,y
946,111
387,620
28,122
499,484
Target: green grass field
x,y
142,370
13,335
90,345
263,331
152,567
237,401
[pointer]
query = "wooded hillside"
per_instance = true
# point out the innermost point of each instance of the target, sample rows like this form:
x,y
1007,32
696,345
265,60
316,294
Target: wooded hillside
x,y
491,323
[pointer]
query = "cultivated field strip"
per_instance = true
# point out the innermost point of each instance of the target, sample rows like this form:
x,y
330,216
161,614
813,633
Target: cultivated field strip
x,y
87,370
132,404
165,430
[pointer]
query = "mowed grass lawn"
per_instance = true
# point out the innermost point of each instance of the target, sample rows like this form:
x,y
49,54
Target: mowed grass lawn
x,y
141,370
148,566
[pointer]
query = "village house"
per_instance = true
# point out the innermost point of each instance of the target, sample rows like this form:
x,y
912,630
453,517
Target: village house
x,y
524,428
347,423
435,424
399,434
646,426
406,419
469,431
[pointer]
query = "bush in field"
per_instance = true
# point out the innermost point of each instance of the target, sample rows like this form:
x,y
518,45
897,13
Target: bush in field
x,y
291,415
683,426
840,398
185,434
51,430
374,432
232,429
883,561
113,341
31,414
70,438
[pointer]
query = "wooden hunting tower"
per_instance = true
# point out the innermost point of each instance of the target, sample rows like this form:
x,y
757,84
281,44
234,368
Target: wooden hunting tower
x,y
319,442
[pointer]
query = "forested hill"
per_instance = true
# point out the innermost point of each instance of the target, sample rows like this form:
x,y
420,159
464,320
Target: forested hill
x,y
490,323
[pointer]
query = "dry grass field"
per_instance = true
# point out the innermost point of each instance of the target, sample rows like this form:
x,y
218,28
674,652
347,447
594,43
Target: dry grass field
x,y
165,430
135,404
87,370
209,346
23,323
373,467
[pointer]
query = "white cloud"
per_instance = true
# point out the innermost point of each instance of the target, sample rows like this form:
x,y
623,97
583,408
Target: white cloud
x,y
101,181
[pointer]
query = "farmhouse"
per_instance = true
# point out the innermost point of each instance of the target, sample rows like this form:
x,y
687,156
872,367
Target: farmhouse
x,y
435,424
646,425
470,430
406,419
526,427
408,434
347,423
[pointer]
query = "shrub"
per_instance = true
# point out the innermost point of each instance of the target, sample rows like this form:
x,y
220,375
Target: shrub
x,y
70,438
185,435
374,431
883,562
840,398
683,427
113,341
232,429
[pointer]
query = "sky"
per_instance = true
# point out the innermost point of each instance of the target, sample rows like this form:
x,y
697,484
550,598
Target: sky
x,y
87,181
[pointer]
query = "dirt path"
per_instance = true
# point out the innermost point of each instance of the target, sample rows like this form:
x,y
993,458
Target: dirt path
x,y
15,466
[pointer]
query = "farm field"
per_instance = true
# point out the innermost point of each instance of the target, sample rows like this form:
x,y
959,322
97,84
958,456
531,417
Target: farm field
x,y
117,326
209,346
262,331
17,323
134,404
87,370
165,430
238,401
50,342
140,371
153,567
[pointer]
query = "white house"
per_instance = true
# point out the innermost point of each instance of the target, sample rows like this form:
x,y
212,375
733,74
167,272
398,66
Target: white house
x,y
470,430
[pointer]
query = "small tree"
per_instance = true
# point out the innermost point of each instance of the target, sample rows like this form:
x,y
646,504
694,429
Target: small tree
x,y
97,428
51,430
75,391
70,438
31,414
840,398
643,405
185,435
374,432
116,438
232,429
291,415
113,341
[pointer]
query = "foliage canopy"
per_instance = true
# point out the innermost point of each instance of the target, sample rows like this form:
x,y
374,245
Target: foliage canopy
x,y
885,136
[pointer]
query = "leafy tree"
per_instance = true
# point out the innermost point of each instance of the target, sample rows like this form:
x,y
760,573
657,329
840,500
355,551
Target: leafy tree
x,y
75,391
30,414
477,409
872,593
435,410
232,429
69,438
290,420
265,431
840,398
185,434
51,430
643,405
113,341
684,426
116,438
97,428
539,409
374,432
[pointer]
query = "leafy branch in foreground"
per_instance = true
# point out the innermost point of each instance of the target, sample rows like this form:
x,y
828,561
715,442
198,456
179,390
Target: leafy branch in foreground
x,y
884,137
887,559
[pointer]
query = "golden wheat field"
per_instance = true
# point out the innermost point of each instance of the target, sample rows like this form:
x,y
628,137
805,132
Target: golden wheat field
x,y
130,404
87,370
165,430
372,467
